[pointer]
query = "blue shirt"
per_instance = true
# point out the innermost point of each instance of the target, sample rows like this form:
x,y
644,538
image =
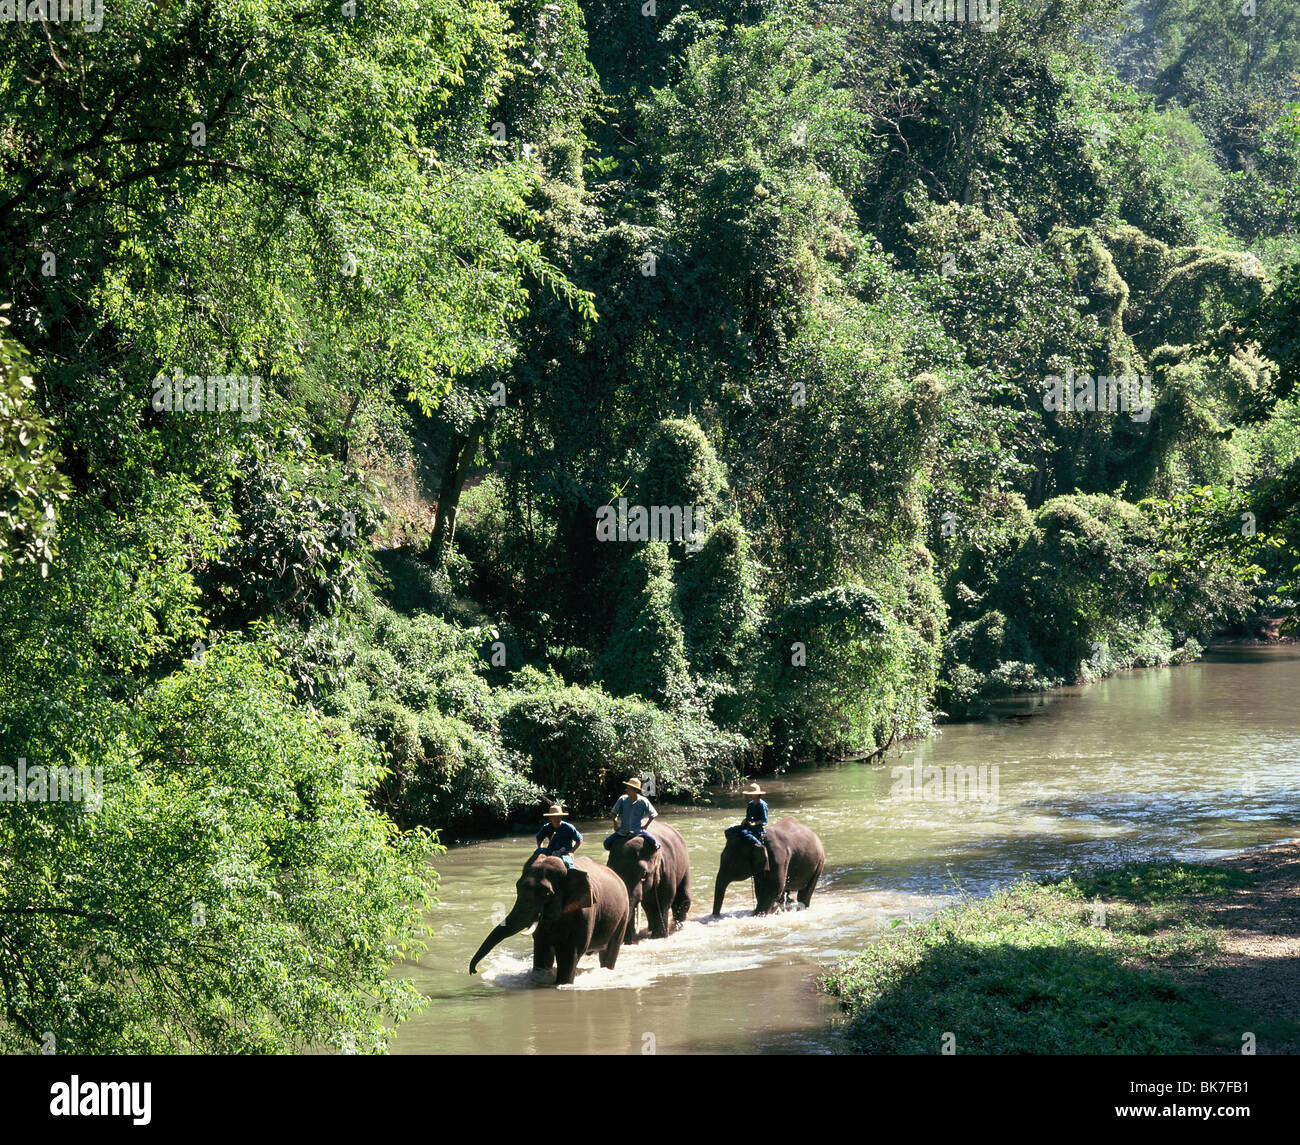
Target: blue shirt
x,y
757,811
630,813
563,838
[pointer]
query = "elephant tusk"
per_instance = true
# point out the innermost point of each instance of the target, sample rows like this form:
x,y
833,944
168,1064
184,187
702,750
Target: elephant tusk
x,y
529,929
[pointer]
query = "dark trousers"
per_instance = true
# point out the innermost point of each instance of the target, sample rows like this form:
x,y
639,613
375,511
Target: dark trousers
x,y
752,835
566,856
619,835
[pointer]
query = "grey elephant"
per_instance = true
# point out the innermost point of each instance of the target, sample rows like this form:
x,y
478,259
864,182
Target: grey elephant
x,y
659,881
583,910
791,859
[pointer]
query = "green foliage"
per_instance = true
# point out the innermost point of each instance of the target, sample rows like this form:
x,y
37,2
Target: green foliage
x,y
842,679
303,527
232,894
646,656
443,771
29,476
717,598
1263,198
1029,970
681,468
1090,585
582,743
1276,324
1206,528
799,266
122,596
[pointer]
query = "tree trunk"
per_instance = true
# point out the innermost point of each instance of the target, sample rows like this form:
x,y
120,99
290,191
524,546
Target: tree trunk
x,y
455,470
345,442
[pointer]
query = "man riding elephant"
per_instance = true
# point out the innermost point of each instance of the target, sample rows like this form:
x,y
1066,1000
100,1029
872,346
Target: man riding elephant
x,y
751,830
791,859
577,910
631,812
657,880
558,836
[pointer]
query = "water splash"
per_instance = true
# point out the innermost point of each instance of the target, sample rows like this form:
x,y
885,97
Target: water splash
x,y
737,940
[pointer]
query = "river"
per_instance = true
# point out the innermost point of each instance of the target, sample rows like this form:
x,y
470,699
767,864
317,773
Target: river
x,y
1195,762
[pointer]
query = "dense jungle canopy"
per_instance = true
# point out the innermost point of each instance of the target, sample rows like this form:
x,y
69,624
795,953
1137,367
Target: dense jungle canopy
x,y
480,269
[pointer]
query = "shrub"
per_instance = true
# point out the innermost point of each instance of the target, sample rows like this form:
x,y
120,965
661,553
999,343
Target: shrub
x,y
716,598
987,658
233,893
422,660
582,743
680,467
303,528
28,466
647,654
464,778
855,689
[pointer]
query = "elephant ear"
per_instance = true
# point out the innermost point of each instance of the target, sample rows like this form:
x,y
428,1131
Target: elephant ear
x,y
578,891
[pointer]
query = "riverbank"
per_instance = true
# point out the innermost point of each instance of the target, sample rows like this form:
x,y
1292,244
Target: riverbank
x,y
1140,958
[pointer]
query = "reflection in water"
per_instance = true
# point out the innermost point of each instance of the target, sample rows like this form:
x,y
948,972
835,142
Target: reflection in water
x,y
1194,761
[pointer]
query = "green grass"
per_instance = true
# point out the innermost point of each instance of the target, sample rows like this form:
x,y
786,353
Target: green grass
x,y
1049,968
1156,882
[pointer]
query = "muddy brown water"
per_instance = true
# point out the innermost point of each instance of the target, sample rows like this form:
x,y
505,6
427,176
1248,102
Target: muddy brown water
x,y
1196,762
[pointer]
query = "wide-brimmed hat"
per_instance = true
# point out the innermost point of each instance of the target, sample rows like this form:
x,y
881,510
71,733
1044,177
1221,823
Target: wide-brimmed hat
x,y
753,789
633,783
554,812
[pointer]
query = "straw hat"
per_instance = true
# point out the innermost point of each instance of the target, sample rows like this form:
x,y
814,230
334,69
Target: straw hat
x,y
633,783
753,789
554,812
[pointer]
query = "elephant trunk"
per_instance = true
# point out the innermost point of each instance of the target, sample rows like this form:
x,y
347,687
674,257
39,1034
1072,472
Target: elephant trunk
x,y
512,925
718,894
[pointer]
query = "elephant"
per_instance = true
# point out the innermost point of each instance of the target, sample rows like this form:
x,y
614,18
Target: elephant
x,y
791,859
661,881
583,910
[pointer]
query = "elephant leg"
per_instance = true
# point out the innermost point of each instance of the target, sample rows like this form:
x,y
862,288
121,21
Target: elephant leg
x,y
543,951
682,903
767,892
657,912
566,963
609,955
805,895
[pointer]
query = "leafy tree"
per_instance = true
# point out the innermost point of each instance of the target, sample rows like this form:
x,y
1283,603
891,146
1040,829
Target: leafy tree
x,y
647,654
28,469
232,894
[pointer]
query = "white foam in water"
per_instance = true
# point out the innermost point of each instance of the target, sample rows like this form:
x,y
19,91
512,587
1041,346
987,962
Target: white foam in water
x,y
738,940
